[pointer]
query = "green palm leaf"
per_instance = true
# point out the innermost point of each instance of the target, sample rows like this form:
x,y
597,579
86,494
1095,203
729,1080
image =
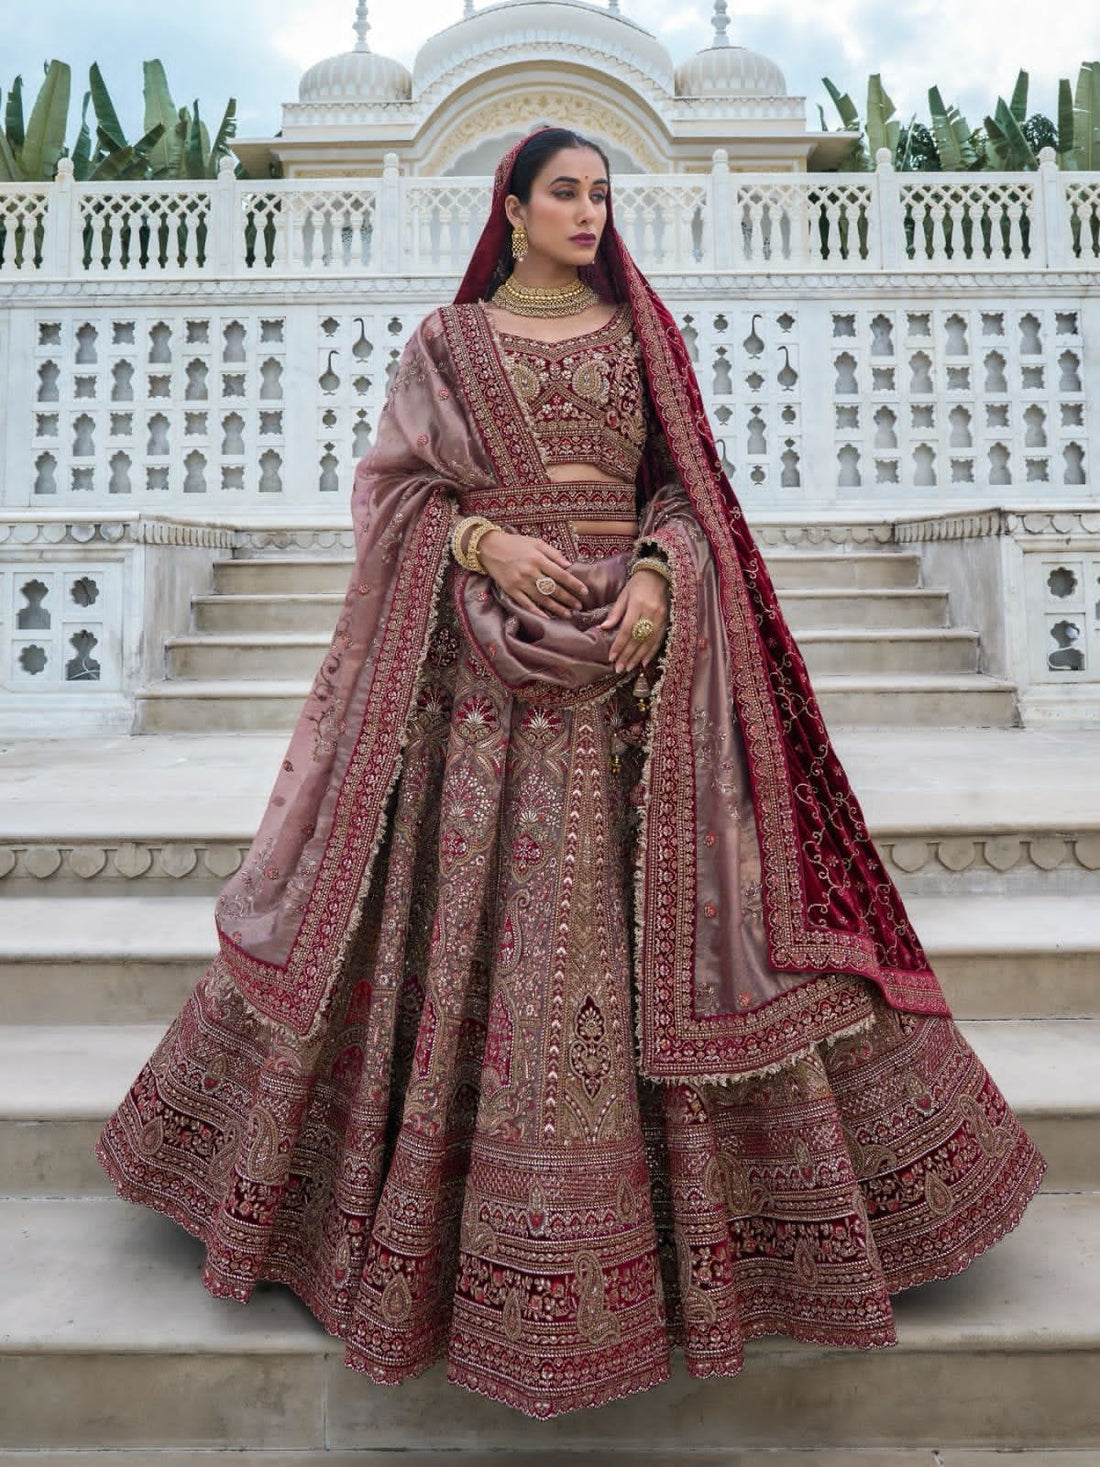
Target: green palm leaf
x,y
10,172
226,130
954,138
105,114
849,116
1018,105
13,115
883,130
1086,116
82,149
45,140
159,107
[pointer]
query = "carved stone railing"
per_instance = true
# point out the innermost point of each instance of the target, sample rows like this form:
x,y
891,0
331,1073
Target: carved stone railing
x,y
244,228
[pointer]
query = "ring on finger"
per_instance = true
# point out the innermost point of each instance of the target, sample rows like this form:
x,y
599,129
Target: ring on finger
x,y
546,585
642,630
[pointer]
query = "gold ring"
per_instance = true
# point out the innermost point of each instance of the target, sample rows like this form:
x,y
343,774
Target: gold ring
x,y
546,585
641,630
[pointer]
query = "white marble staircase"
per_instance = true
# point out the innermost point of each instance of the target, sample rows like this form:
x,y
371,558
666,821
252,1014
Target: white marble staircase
x,y
878,644
110,854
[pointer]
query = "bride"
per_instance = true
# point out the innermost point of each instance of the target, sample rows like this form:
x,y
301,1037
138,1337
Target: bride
x,y
564,1012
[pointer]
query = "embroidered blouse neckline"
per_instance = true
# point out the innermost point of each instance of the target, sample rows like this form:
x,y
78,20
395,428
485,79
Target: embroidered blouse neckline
x,y
551,346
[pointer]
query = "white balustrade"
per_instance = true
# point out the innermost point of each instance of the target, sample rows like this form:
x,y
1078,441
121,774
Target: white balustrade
x,y
230,227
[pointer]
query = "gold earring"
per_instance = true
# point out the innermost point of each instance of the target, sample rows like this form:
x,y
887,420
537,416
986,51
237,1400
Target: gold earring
x,y
519,242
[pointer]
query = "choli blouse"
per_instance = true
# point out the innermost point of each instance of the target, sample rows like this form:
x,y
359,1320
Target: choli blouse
x,y
585,396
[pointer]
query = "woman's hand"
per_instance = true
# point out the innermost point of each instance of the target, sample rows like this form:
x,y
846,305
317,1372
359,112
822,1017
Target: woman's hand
x,y
645,594
517,562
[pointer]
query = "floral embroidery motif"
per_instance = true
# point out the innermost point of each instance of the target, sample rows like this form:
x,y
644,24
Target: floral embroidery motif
x,y
589,1053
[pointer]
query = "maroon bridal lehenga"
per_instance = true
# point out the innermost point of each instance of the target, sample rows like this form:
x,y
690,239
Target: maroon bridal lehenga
x,y
549,1031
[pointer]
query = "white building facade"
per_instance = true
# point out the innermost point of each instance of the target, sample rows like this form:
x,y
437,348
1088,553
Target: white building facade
x,y
190,370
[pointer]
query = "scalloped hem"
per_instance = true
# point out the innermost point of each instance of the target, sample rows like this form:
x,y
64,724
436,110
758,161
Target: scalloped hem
x,y
987,1238
543,1408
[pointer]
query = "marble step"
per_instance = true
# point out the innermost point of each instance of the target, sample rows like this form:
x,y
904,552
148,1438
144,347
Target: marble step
x,y
267,655
534,1457
94,959
59,1083
259,705
524,1457
805,609
959,811
837,569
108,1339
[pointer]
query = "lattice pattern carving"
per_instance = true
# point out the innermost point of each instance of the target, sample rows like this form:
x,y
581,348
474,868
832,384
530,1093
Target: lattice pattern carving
x,y
62,626
968,218
442,223
22,230
1064,616
149,407
944,398
332,230
1083,203
144,231
802,221
356,358
749,367
663,224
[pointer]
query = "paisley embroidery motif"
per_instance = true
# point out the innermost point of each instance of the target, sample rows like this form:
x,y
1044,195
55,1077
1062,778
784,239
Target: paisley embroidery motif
x,y
594,1320
589,1054
584,397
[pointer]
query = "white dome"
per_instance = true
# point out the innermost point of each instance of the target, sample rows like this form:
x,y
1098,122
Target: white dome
x,y
360,76
564,24
729,71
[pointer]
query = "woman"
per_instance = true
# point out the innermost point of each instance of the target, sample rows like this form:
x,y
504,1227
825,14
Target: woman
x,y
564,1011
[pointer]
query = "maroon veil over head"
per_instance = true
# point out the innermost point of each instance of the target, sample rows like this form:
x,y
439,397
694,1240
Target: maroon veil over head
x,y
287,919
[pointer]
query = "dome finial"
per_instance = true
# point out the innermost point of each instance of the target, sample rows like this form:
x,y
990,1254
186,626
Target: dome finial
x,y
467,8
613,6
362,26
721,22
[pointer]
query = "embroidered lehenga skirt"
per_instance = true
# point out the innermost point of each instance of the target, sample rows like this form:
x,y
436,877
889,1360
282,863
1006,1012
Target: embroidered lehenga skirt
x,y
466,1163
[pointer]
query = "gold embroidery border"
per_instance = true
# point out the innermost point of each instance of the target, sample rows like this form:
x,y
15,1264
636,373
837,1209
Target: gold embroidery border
x,y
794,944
294,995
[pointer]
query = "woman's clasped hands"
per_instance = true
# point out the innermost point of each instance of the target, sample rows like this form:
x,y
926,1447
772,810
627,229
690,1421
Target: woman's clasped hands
x,y
536,574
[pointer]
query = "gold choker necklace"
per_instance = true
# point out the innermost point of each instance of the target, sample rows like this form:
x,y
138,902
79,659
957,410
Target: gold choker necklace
x,y
544,300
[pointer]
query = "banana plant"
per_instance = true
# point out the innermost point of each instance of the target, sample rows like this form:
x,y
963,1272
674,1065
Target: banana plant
x,y
1010,139
957,145
856,160
883,128
30,153
114,158
1006,140
185,150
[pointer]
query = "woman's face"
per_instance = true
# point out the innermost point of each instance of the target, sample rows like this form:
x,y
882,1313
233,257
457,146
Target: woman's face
x,y
567,211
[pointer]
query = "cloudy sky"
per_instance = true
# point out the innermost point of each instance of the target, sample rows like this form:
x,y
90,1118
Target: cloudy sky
x,y
257,49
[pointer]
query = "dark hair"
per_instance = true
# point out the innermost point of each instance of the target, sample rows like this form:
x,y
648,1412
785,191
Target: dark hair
x,y
529,163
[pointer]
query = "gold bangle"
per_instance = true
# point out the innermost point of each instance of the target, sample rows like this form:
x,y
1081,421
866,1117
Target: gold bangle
x,y
651,562
474,539
460,528
473,522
